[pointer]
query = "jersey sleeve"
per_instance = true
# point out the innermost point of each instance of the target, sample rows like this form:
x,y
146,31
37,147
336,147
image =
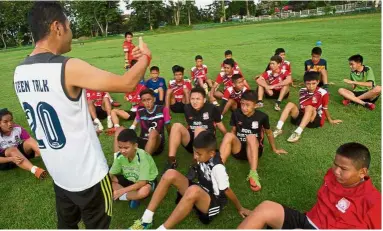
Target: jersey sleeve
x,y
164,84
144,169
325,64
220,175
192,74
24,134
266,122
226,94
374,216
325,100
370,76
219,79
265,75
233,119
216,115
116,167
137,118
306,65
166,115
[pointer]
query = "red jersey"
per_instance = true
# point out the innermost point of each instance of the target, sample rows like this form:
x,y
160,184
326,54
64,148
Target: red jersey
x,y
128,48
197,73
231,93
338,207
318,99
275,78
225,79
178,88
286,66
96,96
134,96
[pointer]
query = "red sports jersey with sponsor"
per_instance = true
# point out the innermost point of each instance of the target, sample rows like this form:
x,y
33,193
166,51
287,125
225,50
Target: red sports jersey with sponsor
x,y
222,77
96,96
318,99
128,47
134,96
286,66
199,73
178,88
275,78
231,93
338,207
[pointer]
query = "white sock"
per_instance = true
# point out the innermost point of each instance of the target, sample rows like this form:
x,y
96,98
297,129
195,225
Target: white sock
x,y
215,102
109,117
123,197
280,125
148,216
299,130
162,227
33,169
97,121
116,125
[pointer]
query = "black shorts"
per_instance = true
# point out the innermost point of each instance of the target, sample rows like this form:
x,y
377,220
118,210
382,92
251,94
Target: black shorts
x,y
189,146
126,183
242,154
178,107
295,220
11,165
132,115
276,95
92,205
215,207
142,143
359,93
101,114
314,124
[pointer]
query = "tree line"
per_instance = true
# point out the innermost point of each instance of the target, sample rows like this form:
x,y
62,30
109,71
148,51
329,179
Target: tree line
x,y
103,18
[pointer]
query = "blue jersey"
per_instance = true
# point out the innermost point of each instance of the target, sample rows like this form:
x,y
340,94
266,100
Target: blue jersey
x,y
154,85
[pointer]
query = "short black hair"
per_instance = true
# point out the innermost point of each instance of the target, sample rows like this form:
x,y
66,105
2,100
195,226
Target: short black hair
x,y
127,135
229,62
311,75
356,58
250,95
147,91
177,68
358,153
235,77
276,58
198,57
228,52
154,68
316,51
278,51
128,33
4,112
42,15
200,90
205,140
133,62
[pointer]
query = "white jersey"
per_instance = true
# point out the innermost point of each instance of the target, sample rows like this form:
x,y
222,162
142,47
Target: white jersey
x,y
63,127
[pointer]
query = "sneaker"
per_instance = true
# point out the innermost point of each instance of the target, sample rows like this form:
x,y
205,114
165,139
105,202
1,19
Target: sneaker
x,y
370,106
110,131
110,123
253,179
41,174
277,132
138,224
277,107
259,104
134,204
346,102
294,137
116,104
170,165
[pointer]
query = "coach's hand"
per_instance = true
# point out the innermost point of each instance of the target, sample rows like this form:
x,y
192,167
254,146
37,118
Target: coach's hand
x,y
279,151
244,212
141,49
17,160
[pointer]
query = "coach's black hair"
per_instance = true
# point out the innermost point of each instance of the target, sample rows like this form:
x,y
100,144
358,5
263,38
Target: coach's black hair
x,y
278,51
127,135
147,91
198,57
228,52
177,68
358,153
128,33
316,51
200,90
205,140
229,62
311,75
356,58
42,15
154,68
4,112
235,77
250,95
276,58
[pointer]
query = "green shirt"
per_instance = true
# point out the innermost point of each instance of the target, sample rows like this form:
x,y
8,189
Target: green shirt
x,y
142,167
364,76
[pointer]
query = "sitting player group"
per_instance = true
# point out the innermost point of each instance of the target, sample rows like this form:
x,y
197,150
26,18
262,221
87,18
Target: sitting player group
x,y
347,199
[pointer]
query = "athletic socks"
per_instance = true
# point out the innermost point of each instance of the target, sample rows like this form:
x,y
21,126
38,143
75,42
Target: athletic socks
x,y
34,169
116,125
299,130
161,227
123,197
147,217
97,121
280,125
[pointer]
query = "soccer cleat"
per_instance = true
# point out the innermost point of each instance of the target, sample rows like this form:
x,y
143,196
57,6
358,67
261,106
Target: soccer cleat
x,y
110,131
253,179
259,105
370,106
110,123
138,224
294,137
277,132
170,165
116,104
277,107
346,102
41,174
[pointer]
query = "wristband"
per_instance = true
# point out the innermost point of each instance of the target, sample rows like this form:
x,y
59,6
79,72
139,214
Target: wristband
x,y
132,127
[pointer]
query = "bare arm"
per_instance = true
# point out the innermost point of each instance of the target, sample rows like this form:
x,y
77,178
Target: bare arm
x,y
231,195
4,160
363,84
221,128
213,89
331,121
286,82
168,96
134,187
271,139
262,82
233,130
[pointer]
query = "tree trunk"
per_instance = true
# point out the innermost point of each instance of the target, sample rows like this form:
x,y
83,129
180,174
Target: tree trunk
x,y
247,8
3,39
98,23
150,20
189,16
106,27
178,14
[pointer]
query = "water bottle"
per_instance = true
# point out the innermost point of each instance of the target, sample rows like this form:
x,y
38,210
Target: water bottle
x,y
318,43
133,204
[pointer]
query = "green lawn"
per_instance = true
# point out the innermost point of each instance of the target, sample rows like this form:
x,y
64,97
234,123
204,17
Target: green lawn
x,y
292,179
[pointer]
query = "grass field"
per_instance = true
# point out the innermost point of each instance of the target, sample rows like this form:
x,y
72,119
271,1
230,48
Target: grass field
x,y
292,179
